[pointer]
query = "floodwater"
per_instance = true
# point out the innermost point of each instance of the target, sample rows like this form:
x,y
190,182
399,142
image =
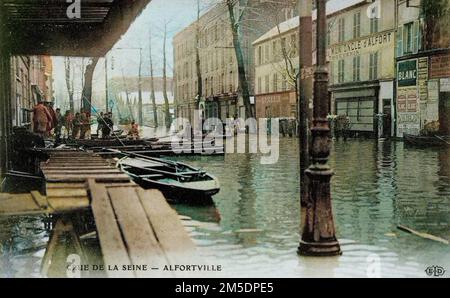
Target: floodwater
x,y
253,229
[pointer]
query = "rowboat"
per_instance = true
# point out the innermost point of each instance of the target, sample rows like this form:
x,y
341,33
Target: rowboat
x,y
427,141
178,181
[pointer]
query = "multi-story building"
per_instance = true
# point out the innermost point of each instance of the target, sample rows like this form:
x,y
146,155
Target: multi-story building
x,y
423,67
31,81
218,64
361,57
276,70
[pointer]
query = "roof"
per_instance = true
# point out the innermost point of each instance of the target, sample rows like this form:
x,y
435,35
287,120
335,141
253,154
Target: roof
x,y
159,97
43,27
333,6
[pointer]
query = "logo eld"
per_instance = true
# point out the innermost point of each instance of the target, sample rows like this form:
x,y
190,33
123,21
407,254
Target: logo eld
x,y
435,271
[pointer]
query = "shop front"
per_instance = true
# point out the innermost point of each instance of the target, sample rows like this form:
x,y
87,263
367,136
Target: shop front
x,y
276,105
408,105
440,89
359,103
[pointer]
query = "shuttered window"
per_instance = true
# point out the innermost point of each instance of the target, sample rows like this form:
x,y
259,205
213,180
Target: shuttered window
x,y
341,71
400,41
356,69
373,66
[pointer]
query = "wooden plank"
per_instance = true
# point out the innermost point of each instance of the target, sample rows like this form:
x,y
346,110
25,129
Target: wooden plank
x,y
50,168
83,172
63,205
111,242
19,204
114,185
64,185
67,192
83,176
40,200
114,179
74,165
168,228
142,244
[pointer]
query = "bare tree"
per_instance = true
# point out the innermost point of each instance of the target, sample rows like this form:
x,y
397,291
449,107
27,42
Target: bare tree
x,y
86,95
152,83
235,23
166,98
128,102
69,82
140,88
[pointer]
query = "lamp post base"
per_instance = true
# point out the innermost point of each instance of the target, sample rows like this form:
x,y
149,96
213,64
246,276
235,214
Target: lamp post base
x,y
319,249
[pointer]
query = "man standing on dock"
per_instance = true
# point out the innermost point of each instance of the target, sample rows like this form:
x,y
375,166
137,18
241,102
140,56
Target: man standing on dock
x,y
41,118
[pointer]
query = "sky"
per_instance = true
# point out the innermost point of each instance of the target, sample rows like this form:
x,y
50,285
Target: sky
x,y
177,14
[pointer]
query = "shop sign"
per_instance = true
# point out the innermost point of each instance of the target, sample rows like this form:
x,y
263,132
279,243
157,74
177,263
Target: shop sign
x,y
440,66
370,43
407,73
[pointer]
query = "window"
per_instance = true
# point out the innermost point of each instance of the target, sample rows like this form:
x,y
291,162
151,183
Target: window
x,y
266,83
274,51
259,55
284,83
283,45
341,30
408,38
275,82
374,25
267,53
373,66
293,49
341,73
329,32
357,25
356,69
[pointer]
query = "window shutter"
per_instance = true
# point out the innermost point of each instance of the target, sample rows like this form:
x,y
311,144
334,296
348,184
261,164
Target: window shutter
x,y
400,41
416,37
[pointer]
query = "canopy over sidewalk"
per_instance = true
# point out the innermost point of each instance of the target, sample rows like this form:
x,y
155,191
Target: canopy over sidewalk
x,y
43,27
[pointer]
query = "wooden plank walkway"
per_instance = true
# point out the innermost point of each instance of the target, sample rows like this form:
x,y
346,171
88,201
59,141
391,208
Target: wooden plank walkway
x,y
134,226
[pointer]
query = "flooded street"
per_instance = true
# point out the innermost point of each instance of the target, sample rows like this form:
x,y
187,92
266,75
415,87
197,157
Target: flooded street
x,y
253,230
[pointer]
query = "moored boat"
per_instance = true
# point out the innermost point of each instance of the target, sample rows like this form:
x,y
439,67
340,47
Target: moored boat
x,y
178,181
427,141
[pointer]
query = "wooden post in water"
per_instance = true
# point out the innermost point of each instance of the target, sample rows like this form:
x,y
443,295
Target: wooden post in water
x,y
318,234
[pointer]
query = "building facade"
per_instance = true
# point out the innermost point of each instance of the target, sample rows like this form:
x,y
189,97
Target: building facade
x,y
423,69
31,81
219,69
276,70
361,57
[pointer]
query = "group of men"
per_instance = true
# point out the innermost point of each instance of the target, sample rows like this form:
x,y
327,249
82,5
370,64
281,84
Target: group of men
x,y
105,124
48,122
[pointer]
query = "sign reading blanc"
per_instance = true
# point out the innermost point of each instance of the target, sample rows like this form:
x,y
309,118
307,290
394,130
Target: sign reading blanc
x,y
407,73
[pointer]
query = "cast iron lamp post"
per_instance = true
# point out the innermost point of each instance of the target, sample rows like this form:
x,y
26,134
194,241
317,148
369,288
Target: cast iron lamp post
x,y
318,234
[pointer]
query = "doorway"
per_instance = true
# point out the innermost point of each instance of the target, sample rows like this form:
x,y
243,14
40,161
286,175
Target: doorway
x,y
387,119
444,113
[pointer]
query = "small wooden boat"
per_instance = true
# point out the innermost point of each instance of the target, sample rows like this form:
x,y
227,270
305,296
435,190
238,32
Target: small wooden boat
x,y
427,141
178,181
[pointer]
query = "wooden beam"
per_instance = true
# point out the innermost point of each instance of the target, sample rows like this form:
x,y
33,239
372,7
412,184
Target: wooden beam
x,y
81,39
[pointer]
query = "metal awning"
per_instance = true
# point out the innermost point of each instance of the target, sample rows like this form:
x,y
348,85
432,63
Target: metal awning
x,y
43,27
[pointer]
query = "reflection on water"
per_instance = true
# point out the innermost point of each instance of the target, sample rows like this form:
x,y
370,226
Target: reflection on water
x,y
253,230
